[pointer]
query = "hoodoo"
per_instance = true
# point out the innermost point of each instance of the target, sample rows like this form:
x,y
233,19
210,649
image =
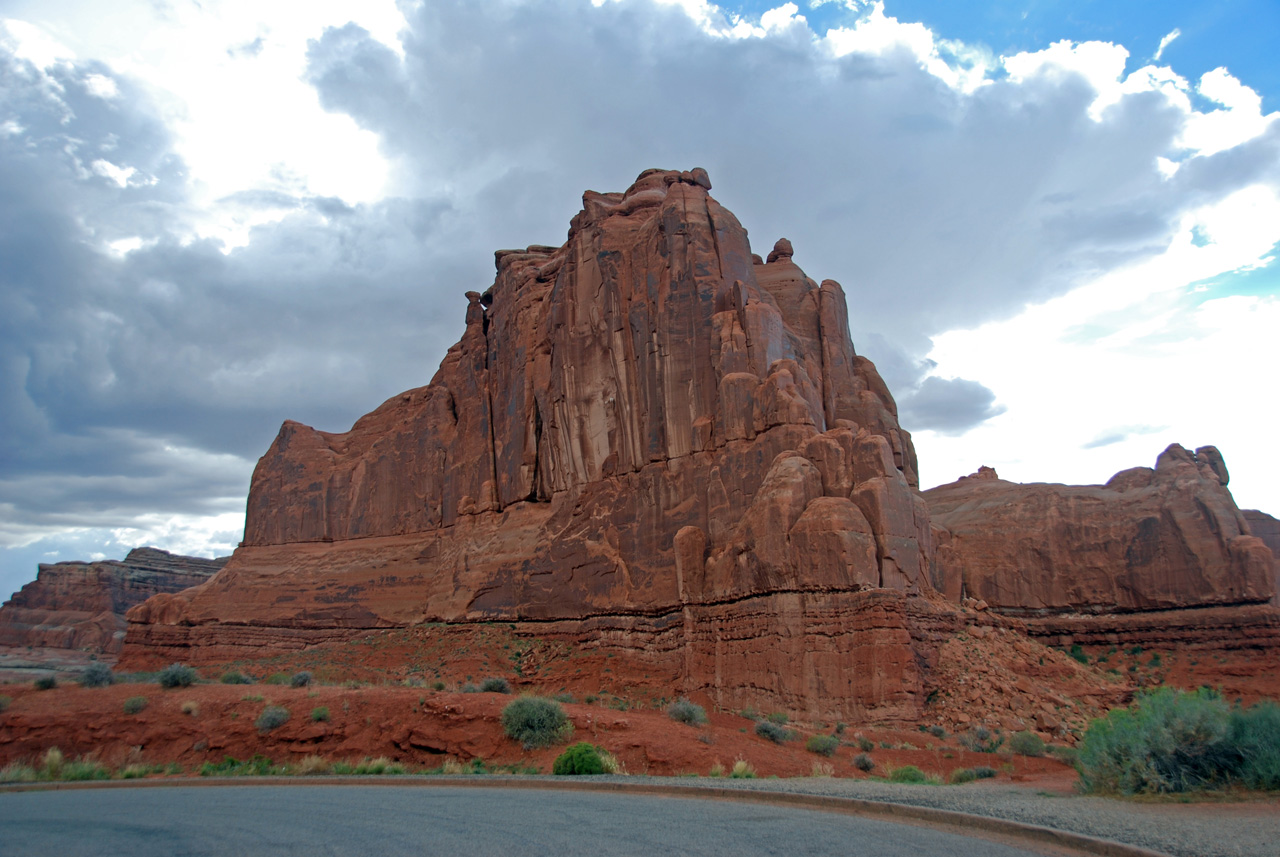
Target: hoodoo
x,y
647,439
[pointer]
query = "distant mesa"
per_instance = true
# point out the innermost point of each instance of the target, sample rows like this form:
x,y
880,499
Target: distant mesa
x,y
79,605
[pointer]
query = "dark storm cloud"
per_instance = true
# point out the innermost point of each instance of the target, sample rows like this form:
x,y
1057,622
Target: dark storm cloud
x,y
150,382
947,406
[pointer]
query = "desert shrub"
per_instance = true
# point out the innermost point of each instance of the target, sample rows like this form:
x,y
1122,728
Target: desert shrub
x,y
134,772
864,763
535,721
230,766
46,682
437,685
563,697
1026,744
81,769
97,674
378,767
276,678
16,772
300,679
823,745
907,774
495,684
311,765
1167,741
742,770
779,717
51,763
1064,754
980,739
822,770
968,775
685,711
1254,734
612,765
937,731
1078,653
135,704
865,744
320,714
5,702
717,769
581,758
272,717
177,675
773,732
191,708
469,688
235,677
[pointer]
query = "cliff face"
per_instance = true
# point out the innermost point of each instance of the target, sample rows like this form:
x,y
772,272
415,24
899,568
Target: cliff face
x,y
648,428
77,605
1150,539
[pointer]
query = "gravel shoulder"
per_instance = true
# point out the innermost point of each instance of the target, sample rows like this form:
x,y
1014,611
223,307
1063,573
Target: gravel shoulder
x,y
1209,829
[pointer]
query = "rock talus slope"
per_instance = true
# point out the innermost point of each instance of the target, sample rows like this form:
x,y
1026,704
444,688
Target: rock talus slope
x,y
646,438
77,605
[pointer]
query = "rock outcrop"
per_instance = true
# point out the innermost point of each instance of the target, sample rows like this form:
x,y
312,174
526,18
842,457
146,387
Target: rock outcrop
x,y
1157,556
1150,539
646,436
78,605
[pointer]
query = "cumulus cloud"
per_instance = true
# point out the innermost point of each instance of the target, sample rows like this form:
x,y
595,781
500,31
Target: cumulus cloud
x,y
946,188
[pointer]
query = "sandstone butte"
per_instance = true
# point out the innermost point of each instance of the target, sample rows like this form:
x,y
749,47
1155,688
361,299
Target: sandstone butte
x,y
78,605
652,443
1158,555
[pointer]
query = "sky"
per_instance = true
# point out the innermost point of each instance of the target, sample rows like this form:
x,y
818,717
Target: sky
x,y
1056,222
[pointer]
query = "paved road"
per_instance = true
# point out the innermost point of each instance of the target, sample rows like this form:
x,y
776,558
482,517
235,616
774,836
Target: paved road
x,y
393,820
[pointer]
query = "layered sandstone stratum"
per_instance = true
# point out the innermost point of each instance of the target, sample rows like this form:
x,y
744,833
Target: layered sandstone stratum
x,y
651,442
79,605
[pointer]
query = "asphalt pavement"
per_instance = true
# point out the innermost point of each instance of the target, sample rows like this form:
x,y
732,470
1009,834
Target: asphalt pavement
x,y
394,820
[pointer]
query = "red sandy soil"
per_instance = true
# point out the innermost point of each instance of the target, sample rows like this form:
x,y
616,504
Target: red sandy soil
x,y
422,728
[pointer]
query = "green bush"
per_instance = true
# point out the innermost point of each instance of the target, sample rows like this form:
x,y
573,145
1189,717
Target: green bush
x,y
1254,733
823,745
773,732
177,675
300,679
272,717
46,682
968,775
864,763
320,714
230,766
1078,653
97,674
5,702
134,704
779,717
535,721
1167,741
980,739
84,770
1027,744
685,711
495,684
581,758
865,744
907,774
236,677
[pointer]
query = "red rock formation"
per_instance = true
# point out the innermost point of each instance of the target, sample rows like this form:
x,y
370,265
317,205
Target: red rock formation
x,y
77,605
1150,539
1267,528
646,425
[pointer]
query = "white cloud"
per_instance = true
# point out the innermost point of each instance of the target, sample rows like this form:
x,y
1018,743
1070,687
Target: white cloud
x,y
1166,41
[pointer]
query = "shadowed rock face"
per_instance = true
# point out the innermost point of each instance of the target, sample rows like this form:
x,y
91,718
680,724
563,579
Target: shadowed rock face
x,y
648,421
76,605
1150,539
